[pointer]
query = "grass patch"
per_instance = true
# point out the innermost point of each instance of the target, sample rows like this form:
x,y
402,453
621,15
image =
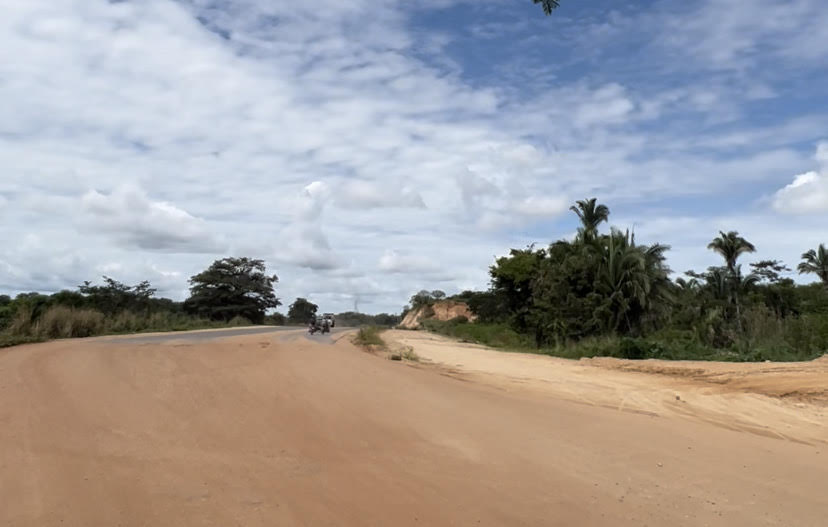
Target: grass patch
x,y
369,336
492,335
61,322
7,341
409,355
794,345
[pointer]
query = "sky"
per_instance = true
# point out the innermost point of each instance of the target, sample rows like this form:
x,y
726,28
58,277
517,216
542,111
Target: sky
x,y
367,149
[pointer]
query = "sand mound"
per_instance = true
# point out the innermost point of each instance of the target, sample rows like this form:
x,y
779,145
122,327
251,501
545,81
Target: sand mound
x,y
445,310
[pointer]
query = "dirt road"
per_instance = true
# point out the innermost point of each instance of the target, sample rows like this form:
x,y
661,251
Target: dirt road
x,y
277,429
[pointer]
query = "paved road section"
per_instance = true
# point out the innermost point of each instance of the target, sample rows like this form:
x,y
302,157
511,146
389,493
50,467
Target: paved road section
x,y
212,334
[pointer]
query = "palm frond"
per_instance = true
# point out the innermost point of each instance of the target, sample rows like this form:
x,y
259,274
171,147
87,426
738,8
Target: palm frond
x,y
548,5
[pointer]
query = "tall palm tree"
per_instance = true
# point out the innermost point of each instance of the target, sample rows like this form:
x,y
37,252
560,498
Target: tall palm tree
x,y
731,246
815,262
548,5
591,214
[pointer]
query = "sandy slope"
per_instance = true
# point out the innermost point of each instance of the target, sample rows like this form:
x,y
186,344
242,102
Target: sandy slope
x,y
786,400
279,430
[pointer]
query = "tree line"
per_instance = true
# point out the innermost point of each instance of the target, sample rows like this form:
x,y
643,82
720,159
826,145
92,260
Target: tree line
x,y
230,292
608,287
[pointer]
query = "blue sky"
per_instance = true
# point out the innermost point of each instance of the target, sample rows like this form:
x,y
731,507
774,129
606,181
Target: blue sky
x,y
367,150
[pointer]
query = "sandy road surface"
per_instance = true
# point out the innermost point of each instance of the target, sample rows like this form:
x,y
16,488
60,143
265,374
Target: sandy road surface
x,y
279,429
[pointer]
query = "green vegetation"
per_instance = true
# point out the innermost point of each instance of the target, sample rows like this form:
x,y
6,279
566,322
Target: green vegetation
x,y
232,287
6,340
666,345
231,292
369,336
424,299
816,262
548,5
408,354
496,335
352,319
608,295
301,311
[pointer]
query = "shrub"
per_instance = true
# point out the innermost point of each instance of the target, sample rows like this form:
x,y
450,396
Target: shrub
x,y
66,322
125,322
22,322
633,349
369,336
7,340
238,321
408,354
495,335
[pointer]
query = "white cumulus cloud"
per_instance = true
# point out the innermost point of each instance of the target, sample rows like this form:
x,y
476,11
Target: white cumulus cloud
x,y
132,218
808,193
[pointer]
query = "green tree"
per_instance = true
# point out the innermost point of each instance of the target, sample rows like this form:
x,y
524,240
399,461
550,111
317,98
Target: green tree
x,y
511,280
113,296
301,311
815,262
69,299
776,292
489,306
423,298
592,215
233,287
731,246
386,319
563,296
632,281
548,5
769,271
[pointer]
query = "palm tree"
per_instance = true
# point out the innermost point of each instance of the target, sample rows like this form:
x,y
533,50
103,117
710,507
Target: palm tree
x,y
591,215
718,283
548,5
633,280
815,262
731,246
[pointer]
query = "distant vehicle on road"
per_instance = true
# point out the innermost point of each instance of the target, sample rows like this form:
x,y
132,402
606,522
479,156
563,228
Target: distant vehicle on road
x,y
321,324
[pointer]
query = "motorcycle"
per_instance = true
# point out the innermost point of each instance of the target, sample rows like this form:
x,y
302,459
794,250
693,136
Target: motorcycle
x,y
317,328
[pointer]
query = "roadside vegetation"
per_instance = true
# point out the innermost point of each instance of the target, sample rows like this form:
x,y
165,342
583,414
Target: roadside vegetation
x,y
369,336
606,294
232,292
